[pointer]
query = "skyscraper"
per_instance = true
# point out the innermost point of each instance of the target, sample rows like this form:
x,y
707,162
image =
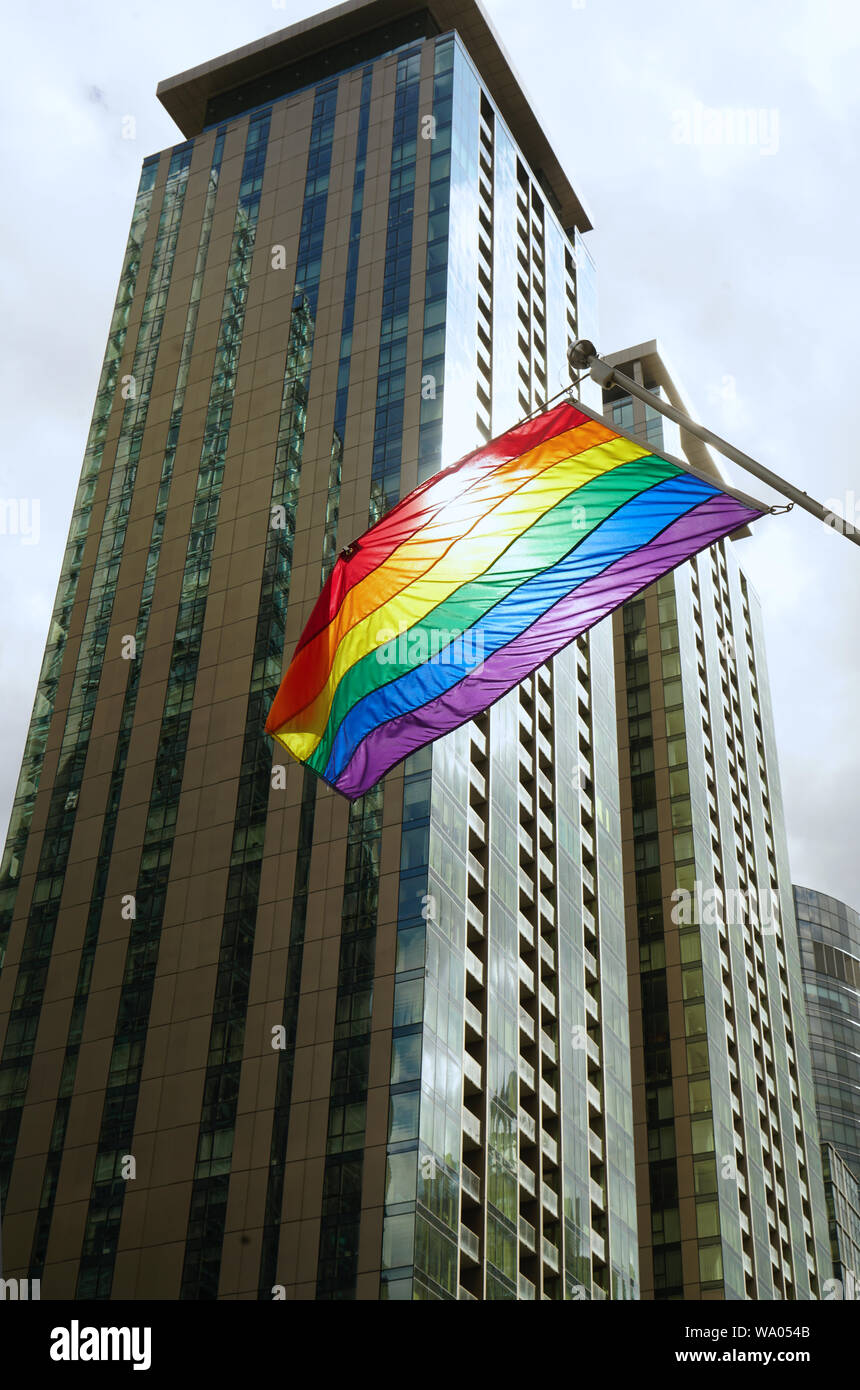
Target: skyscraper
x,y
829,933
729,1184
842,1194
257,1042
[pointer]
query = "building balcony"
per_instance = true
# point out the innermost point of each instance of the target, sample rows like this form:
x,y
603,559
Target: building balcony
x,y
547,911
549,1254
549,1148
469,1245
526,930
527,1234
527,1178
527,1127
526,1288
470,1184
475,918
479,739
527,1024
477,781
471,1074
549,1099
549,1199
473,1022
595,1144
527,1074
474,968
476,870
471,1131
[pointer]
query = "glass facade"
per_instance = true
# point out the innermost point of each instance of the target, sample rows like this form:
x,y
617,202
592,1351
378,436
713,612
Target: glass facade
x,y
221,1087
829,933
509,1158
95,1274
134,391
340,1227
108,833
346,331
843,1213
43,708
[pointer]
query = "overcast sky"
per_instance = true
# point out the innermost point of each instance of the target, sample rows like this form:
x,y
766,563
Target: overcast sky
x,y
741,258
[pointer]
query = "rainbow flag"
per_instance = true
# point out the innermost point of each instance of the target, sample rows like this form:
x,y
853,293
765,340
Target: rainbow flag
x,y
478,577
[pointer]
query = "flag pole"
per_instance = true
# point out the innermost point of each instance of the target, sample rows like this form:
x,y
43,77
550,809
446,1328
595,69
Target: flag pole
x,y
583,357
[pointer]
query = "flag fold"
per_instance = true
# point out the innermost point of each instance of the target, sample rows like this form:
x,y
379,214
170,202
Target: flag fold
x,y
479,576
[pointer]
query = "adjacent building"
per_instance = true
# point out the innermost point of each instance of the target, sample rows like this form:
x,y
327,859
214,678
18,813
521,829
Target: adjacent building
x,y
729,1187
829,934
842,1193
256,1042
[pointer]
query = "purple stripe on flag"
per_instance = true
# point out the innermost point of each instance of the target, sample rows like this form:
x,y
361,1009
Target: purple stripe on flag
x,y
579,610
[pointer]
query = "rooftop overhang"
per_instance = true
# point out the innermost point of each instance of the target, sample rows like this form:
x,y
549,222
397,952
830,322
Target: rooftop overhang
x,y
657,372
187,95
